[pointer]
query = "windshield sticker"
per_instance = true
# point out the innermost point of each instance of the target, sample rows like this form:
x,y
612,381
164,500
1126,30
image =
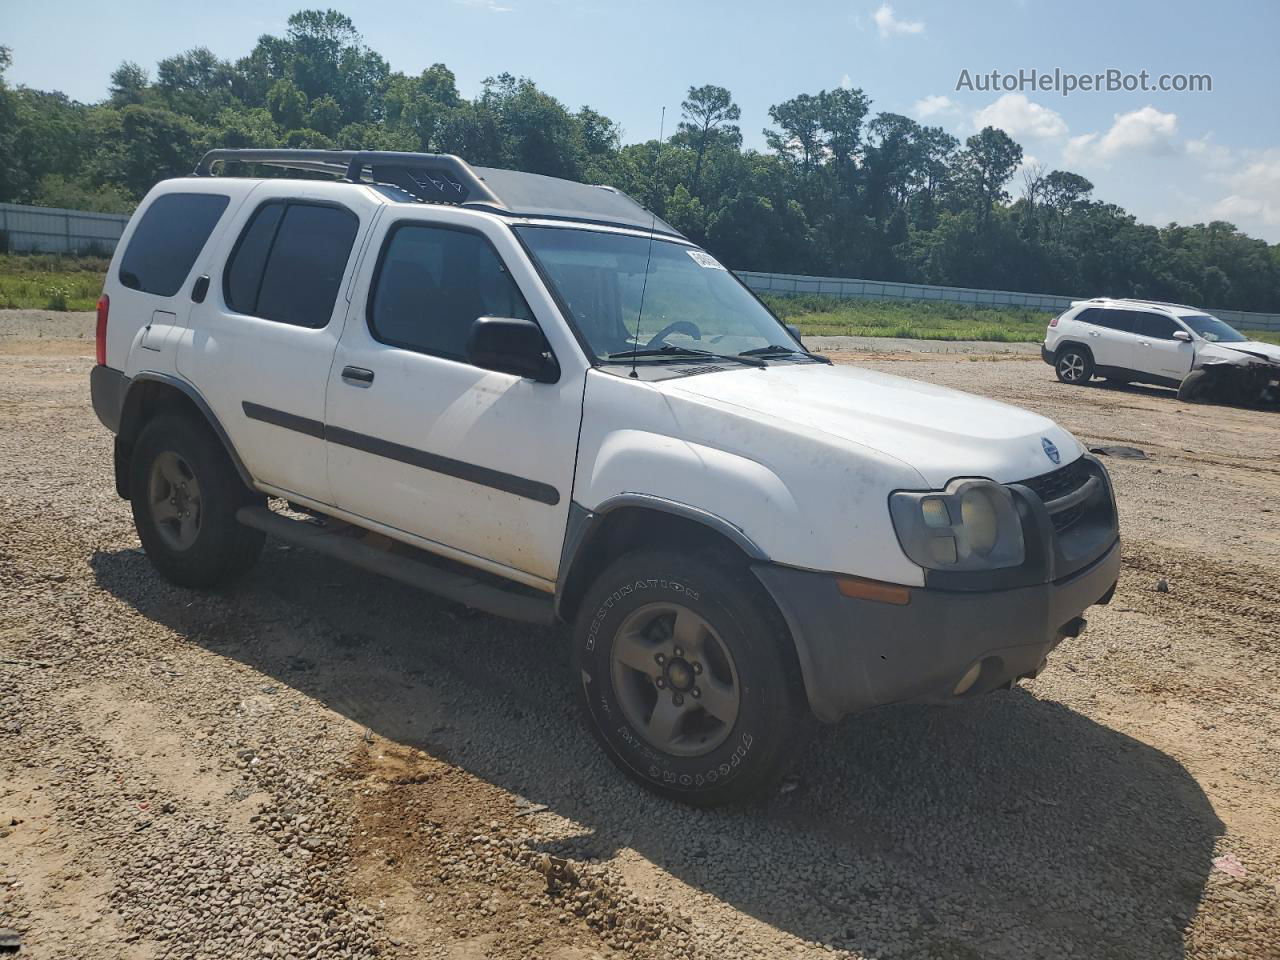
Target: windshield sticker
x,y
703,259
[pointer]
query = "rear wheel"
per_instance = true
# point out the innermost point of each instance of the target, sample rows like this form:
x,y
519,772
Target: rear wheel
x,y
185,494
1073,365
688,678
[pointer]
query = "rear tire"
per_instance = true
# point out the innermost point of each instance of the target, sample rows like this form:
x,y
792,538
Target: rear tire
x,y
185,494
1073,365
688,678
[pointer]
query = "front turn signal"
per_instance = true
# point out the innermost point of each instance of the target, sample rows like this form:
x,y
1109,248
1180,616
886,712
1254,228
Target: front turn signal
x,y
877,590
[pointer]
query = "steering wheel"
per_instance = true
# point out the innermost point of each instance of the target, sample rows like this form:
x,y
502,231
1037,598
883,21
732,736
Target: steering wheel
x,y
679,326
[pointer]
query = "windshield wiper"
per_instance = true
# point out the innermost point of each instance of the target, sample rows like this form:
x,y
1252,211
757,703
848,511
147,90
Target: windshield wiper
x,y
670,350
777,350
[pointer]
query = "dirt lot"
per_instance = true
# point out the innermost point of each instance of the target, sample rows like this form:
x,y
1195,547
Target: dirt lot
x,y
316,763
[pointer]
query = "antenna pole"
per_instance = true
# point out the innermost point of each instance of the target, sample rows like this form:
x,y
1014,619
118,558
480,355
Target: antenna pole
x,y
653,225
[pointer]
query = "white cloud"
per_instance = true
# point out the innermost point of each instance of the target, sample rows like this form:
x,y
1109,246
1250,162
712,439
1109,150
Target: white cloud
x,y
493,6
1213,155
1019,117
934,106
1147,131
846,82
1255,191
889,25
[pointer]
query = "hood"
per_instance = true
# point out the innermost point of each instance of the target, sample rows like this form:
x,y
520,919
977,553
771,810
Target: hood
x,y
941,433
1231,352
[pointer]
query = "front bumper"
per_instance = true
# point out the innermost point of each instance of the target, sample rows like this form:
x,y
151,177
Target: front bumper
x,y
856,654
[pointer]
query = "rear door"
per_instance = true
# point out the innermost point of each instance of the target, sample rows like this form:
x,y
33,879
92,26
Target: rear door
x,y
1112,338
477,464
260,345
1157,352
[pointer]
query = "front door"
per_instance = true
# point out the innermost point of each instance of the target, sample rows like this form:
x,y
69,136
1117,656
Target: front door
x,y
1157,352
475,464
260,345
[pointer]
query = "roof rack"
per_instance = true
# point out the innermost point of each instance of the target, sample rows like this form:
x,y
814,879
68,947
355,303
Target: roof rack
x,y
432,177
444,178
1139,300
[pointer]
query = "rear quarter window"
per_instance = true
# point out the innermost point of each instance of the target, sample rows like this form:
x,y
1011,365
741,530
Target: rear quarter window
x,y
167,240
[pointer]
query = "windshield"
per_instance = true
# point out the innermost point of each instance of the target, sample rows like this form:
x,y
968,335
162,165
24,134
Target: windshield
x,y
1212,329
691,302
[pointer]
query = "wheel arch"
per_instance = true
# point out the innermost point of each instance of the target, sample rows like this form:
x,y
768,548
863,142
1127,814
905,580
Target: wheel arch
x,y
1063,344
151,393
594,538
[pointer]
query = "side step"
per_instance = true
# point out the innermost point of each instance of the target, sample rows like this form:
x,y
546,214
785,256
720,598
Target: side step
x,y
513,604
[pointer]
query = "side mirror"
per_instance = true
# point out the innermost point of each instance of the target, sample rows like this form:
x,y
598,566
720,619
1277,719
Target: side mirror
x,y
511,345
794,331
1182,335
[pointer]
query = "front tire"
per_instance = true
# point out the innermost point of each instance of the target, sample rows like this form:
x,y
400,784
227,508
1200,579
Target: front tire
x,y
1073,365
688,678
185,494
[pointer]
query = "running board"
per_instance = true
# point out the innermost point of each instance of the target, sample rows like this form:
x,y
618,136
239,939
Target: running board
x,y
468,591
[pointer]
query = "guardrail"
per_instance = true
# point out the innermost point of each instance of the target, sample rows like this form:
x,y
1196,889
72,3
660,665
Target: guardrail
x,y
790,284
26,229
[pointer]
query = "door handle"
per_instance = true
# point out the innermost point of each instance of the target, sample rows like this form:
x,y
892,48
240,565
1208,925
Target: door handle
x,y
1093,333
357,376
199,289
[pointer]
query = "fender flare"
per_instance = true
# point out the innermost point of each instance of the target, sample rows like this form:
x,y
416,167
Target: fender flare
x,y
130,410
584,524
1073,343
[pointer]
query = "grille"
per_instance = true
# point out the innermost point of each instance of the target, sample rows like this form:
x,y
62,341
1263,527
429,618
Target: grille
x,y
1058,483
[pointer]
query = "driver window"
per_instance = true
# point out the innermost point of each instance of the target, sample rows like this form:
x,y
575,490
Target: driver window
x,y
432,283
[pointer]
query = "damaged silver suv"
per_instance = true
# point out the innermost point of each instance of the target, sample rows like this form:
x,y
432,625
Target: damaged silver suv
x,y
1166,344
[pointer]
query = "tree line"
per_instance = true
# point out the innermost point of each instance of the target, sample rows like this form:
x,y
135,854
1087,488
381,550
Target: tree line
x,y
840,191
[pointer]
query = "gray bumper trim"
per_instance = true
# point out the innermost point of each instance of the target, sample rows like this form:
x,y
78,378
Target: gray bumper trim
x,y
857,654
107,388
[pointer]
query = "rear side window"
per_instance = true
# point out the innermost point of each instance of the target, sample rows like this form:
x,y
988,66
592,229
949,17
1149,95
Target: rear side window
x,y
1123,320
167,240
288,264
433,283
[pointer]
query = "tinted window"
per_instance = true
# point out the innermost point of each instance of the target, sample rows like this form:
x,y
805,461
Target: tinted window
x,y
1154,325
289,262
1115,320
168,239
433,283
244,272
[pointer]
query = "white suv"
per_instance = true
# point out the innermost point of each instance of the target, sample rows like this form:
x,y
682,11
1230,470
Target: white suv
x,y
537,399
1167,344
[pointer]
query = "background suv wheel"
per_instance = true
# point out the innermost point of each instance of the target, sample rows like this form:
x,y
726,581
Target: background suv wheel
x,y
1073,365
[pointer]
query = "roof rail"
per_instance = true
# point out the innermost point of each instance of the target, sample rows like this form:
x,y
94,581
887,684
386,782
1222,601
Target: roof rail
x,y
431,177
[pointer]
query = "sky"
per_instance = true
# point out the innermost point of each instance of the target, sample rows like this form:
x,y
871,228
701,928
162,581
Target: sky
x,y
1164,155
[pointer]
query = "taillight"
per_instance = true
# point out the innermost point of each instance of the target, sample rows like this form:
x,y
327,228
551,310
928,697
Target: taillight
x,y
1054,321
104,307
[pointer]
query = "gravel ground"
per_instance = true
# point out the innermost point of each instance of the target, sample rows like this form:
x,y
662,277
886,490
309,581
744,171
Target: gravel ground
x,y
317,763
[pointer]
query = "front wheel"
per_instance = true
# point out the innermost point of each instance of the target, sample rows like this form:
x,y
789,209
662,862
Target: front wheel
x,y
688,678
1073,365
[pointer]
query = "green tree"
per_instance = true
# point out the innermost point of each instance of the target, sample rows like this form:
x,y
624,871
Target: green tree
x,y
708,113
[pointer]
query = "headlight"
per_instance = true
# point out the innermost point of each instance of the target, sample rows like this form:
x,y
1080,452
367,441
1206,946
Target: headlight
x,y
972,525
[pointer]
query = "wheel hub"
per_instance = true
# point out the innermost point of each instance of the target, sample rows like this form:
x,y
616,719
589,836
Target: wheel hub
x,y
675,679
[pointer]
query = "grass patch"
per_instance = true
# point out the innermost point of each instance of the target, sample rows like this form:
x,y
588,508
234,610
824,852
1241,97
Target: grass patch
x,y
830,316
51,281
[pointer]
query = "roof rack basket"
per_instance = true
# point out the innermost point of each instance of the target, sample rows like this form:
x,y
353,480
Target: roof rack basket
x,y
430,177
